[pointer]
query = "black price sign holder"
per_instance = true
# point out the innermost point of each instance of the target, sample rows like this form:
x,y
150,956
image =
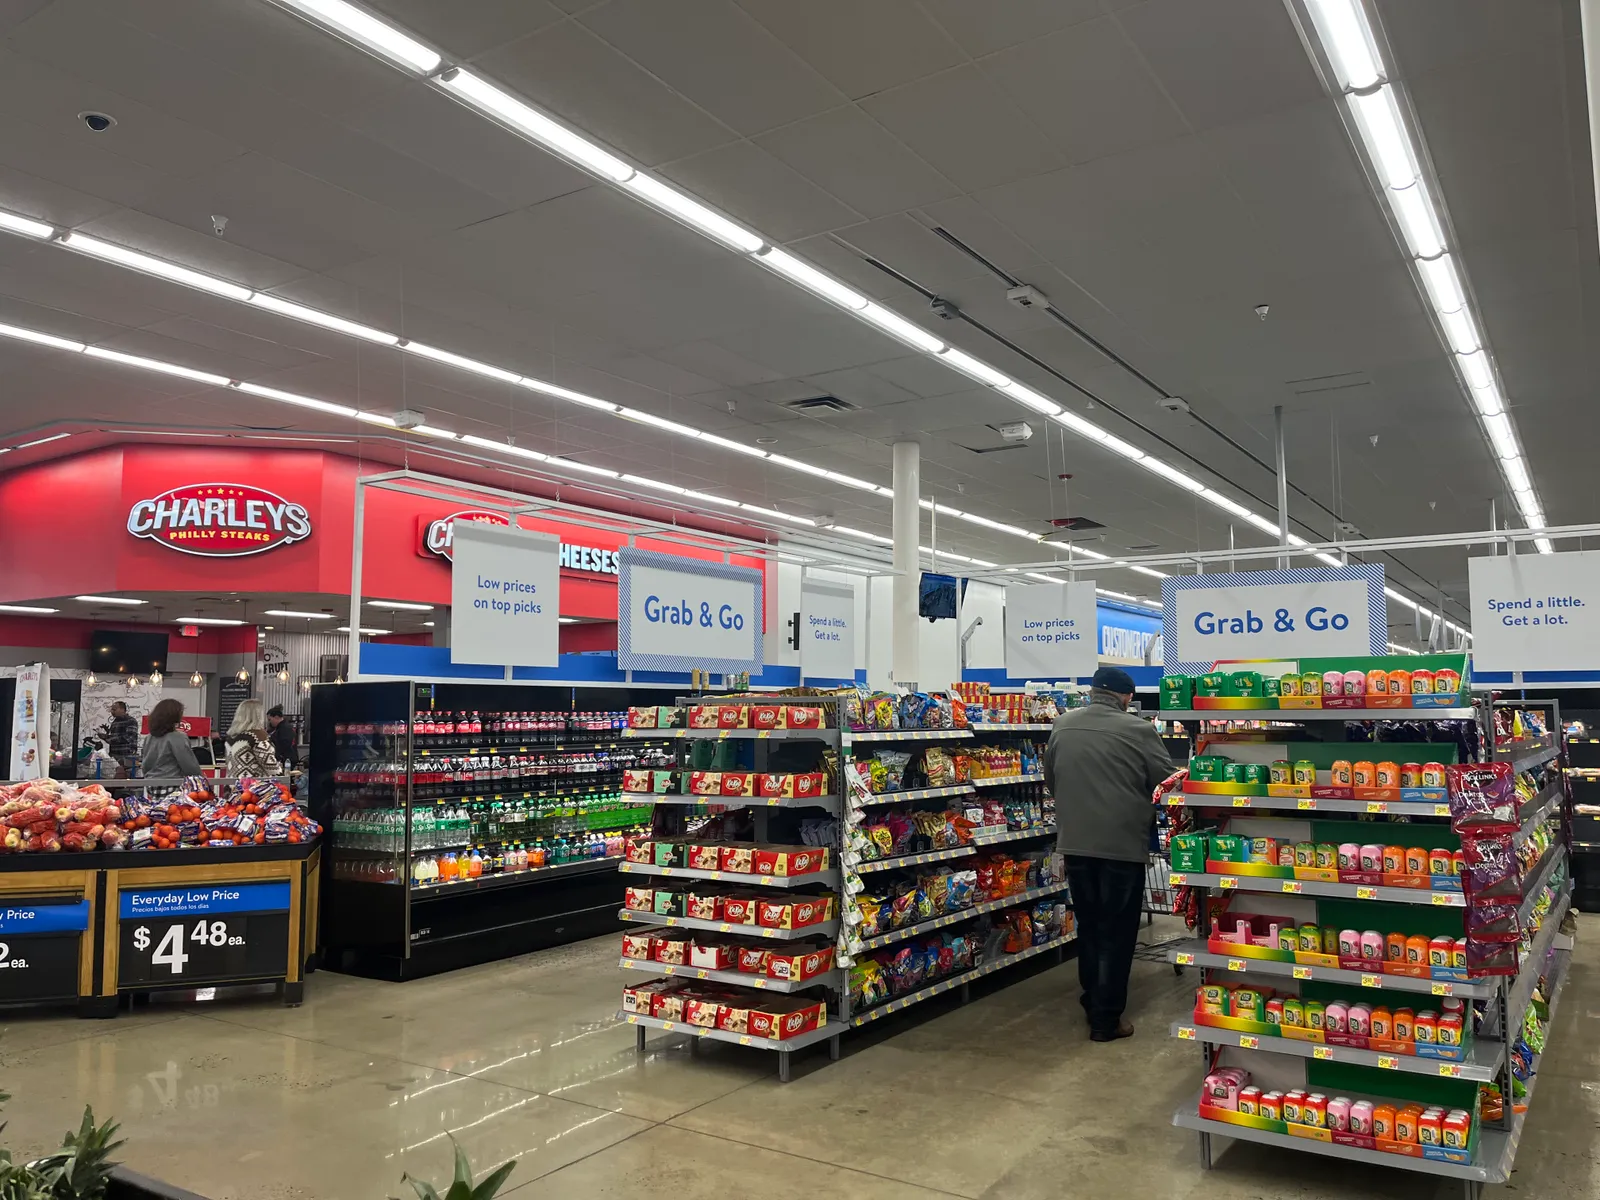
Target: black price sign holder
x,y
48,921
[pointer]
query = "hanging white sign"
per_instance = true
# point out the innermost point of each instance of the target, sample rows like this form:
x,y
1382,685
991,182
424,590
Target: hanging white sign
x,y
505,596
1536,612
30,737
1050,630
683,614
827,630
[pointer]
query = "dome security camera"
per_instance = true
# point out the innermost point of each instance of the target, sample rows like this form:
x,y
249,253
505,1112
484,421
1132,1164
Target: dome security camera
x,y
98,122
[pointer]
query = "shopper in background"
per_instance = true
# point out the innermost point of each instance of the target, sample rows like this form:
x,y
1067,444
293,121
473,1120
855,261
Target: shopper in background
x,y
1102,764
167,754
122,735
251,754
281,730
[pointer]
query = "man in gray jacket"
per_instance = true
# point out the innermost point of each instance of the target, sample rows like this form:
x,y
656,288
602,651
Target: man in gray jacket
x,y
1101,764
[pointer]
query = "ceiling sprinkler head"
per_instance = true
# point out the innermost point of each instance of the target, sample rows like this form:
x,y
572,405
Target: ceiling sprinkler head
x,y
1262,310
219,224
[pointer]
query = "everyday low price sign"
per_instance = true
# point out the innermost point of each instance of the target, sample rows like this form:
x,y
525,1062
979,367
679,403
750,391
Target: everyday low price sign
x,y
505,595
676,614
204,933
1051,630
1536,612
827,630
1311,612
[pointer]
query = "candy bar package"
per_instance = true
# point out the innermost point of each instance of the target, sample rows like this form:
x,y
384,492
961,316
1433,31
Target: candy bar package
x,y
1494,923
1490,958
1492,871
1483,799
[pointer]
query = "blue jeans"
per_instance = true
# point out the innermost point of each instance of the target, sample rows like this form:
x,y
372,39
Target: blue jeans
x,y
1107,900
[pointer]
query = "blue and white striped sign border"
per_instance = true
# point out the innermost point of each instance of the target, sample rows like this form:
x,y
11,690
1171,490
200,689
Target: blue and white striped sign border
x,y
627,660
1377,602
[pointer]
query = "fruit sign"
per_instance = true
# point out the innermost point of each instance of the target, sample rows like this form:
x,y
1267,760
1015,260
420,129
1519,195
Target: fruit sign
x,y
219,520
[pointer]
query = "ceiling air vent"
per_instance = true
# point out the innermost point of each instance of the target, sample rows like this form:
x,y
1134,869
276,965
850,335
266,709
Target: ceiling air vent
x,y
996,449
1076,523
819,404
1145,547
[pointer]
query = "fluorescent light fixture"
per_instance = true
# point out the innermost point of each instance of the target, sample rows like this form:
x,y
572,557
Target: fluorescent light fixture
x,y
152,364
859,484
40,339
1224,503
368,31
1328,559
155,266
794,464
1501,435
31,609
1413,209
1516,474
1079,425
1262,523
654,483
294,612
1074,549
373,418
1459,329
428,624
1348,41
205,621
54,437
574,465
1475,369
1029,398
691,212
1126,449
1171,474
456,360
726,444
973,368
129,600
561,393
1150,571
433,431
568,621
1443,284
1046,578
850,531
533,124
644,418
1001,526
1487,400
312,316
363,629
407,605
1378,118
782,516
708,498
799,271
256,389
1543,546
498,447
901,329
27,226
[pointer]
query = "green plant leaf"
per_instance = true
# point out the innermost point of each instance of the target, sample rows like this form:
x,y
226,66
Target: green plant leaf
x,y
492,1181
423,1190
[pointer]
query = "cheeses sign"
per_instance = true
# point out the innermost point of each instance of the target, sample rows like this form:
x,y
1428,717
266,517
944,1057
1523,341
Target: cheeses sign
x,y
219,520
437,538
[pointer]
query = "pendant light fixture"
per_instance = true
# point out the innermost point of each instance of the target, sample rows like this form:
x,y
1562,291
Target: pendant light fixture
x,y
155,678
90,680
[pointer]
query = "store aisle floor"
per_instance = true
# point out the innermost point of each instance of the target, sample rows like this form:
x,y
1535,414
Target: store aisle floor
x,y
1004,1099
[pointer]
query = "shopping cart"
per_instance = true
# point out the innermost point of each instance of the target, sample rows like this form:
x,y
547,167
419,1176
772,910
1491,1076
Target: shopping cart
x,y
1159,894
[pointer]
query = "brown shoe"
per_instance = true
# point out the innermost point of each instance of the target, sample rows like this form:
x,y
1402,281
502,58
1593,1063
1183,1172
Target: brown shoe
x,y
1124,1029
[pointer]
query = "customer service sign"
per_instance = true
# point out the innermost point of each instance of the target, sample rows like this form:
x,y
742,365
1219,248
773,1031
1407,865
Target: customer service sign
x,y
1311,612
684,614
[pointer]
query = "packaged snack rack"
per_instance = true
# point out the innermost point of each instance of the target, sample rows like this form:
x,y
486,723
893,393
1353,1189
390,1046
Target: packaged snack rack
x,y
1447,1077
521,781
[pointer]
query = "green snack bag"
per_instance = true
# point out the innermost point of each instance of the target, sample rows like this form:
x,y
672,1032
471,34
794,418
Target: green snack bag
x,y
1188,852
1210,685
1243,683
1270,686
1177,691
1205,767
1228,847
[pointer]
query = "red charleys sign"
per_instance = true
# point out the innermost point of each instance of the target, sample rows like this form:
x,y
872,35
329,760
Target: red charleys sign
x,y
437,537
220,520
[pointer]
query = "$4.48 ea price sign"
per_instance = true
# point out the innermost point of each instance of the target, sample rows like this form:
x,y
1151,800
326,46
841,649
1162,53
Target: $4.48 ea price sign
x,y
203,933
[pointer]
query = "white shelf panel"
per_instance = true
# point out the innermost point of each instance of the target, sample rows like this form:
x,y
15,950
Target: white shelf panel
x,y
799,1041
1483,1056
829,876
1309,887
761,983
823,929
1393,808
1291,715
908,735
1002,780
1194,953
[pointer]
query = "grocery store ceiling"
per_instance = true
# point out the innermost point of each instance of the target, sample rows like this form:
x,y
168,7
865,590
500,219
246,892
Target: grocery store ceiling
x,y
1157,169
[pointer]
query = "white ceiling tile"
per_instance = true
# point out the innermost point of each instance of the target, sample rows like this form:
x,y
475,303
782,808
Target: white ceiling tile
x,y
464,30
852,156
958,122
860,48
1222,60
1088,89
1426,34
600,90
752,186
717,55
983,26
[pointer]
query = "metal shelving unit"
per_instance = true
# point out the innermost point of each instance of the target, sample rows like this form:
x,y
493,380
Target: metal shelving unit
x,y
1293,716
1311,887
1393,808
830,876
1194,953
965,914
1481,1062
962,981
1003,780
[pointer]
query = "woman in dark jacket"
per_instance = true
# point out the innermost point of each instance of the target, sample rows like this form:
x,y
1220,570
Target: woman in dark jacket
x,y
167,754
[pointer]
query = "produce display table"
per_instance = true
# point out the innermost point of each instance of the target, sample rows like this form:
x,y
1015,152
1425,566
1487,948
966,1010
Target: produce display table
x,y
92,927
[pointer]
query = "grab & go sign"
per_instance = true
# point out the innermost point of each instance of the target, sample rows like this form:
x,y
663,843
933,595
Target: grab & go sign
x,y
1313,612
677,614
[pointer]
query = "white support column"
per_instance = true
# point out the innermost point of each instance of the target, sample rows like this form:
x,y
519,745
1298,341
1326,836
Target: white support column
x,y
907,561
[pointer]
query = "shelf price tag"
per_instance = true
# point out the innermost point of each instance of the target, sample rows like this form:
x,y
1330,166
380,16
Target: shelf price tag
x,y
1183,960
1176,798
1388,1062
1246,1042
1293,887
1227,881
1372,981
1301,972
1450,1070
1366,893
1305,804
1241,801
1443,899
1322,1052
1236,964
1441,810
1186,1033
1443,989
1177,879
1377,806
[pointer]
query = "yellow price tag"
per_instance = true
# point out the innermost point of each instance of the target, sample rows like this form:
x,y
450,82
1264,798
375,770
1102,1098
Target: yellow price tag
x,y
1443,989
723,733
1372,981
669,970
1366,893
632,1020
1241,801
1175,798
1186,1033
625,915
1183,960
1249,1043
1377,806
1449,1070
1388,1062
1305,804
1443,899
1322,1052
758,981
1301,972
765,733
745,1040
1441,810
666,871
667,1024
1178,880
1227,881
1293,887
1236,964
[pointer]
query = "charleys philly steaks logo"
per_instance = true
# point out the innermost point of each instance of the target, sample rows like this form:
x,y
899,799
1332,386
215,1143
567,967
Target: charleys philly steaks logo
x,y
220,520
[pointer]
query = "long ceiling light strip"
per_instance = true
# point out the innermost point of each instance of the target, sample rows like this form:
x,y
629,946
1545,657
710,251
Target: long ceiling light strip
x,y
1363,80
489,99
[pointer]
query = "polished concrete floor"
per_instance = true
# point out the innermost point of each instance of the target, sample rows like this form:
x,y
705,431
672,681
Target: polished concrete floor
x,y
1003,1099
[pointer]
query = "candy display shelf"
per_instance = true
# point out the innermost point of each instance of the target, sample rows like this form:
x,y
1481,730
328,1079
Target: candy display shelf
x,y
1482,1060
909,735
1012,727
1194,953
961,980
1002,780
820,929
921,927
1522,759
1013,835
831,1029
905,795
1291,716
914,860
830,877
1311,887
738,978
1394,808
831,803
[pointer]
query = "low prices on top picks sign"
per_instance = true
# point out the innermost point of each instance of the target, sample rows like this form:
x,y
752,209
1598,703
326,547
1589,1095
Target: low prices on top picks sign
x,y
679,614
1536,612
1051,630
505,596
